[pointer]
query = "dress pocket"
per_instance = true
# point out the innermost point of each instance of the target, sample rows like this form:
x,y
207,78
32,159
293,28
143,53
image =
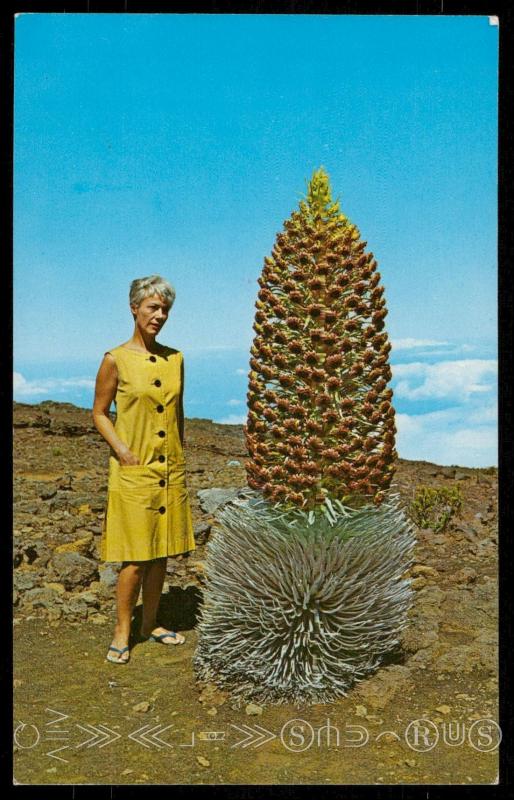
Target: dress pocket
x,y
139,479
140,502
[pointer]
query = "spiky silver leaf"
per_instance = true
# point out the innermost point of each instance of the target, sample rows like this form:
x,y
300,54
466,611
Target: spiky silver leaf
x,y
297,608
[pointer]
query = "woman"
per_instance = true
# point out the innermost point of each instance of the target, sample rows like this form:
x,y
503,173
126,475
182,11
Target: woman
x,y
148,516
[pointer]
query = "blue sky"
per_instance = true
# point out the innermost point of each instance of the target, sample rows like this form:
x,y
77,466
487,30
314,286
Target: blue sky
x,y
179,144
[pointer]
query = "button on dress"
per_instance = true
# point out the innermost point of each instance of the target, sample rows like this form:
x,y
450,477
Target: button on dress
x,y
148,513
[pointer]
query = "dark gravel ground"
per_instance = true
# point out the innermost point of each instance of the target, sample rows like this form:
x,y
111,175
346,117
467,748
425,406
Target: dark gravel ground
x,y
79,719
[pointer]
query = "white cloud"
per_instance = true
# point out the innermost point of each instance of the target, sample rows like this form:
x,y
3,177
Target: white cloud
x,y
409,343
23,387
446,437
484,414
44,386
428,348
240,371
457,380
234,402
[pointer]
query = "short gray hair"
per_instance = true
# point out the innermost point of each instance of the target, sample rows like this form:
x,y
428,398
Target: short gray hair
x,y
146,287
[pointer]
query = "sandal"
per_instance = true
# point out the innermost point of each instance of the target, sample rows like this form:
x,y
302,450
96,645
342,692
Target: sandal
x,y
117,660
158,637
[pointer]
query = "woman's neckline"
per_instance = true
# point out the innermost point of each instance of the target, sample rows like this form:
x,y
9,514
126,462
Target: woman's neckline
x,y
144,352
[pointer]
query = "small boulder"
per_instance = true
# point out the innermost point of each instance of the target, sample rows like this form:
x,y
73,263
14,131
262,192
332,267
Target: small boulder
x,y
24,580
108,576
212,499
464,575
252,710
201,532
73,569
425,571
82,546
42,596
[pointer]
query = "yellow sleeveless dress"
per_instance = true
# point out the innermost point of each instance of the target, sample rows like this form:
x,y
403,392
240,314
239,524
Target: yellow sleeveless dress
x,y
148,513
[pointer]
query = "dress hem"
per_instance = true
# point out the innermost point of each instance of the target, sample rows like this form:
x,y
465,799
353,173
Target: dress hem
x,y
152,558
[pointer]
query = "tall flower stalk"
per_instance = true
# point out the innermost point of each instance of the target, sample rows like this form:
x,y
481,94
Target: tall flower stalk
x,y
306,588
320,422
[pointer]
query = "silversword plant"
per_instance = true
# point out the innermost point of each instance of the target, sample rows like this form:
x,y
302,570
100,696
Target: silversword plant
x,y
306,575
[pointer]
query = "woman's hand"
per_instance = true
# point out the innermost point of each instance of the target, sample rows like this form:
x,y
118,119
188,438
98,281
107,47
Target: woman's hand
x,y
126,456
105,392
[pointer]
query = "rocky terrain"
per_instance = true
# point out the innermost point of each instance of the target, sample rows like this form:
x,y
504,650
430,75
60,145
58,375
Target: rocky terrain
x,y
63,597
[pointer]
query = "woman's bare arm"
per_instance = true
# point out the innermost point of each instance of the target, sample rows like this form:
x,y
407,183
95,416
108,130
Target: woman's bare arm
x,y
105,392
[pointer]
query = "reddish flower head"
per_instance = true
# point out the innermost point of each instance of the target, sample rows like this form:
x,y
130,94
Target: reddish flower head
x,y
315,310
294,323
295,347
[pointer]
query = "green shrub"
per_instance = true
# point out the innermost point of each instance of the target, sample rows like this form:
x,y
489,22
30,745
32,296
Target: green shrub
x,y
433,508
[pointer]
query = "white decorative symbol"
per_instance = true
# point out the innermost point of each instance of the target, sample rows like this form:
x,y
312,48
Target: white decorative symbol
x,y
56,734
100,737
51,753
454,733
384,733
362,736
19,729
192,741
212,736
485,735
60,717
297,728
53,733
255,736
145,736
421,735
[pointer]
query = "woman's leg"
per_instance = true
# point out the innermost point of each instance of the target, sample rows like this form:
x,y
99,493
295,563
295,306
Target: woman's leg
x,y
153,580
127,592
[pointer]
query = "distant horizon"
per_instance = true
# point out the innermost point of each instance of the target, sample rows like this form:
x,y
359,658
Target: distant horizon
x,y
239,424
441,370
